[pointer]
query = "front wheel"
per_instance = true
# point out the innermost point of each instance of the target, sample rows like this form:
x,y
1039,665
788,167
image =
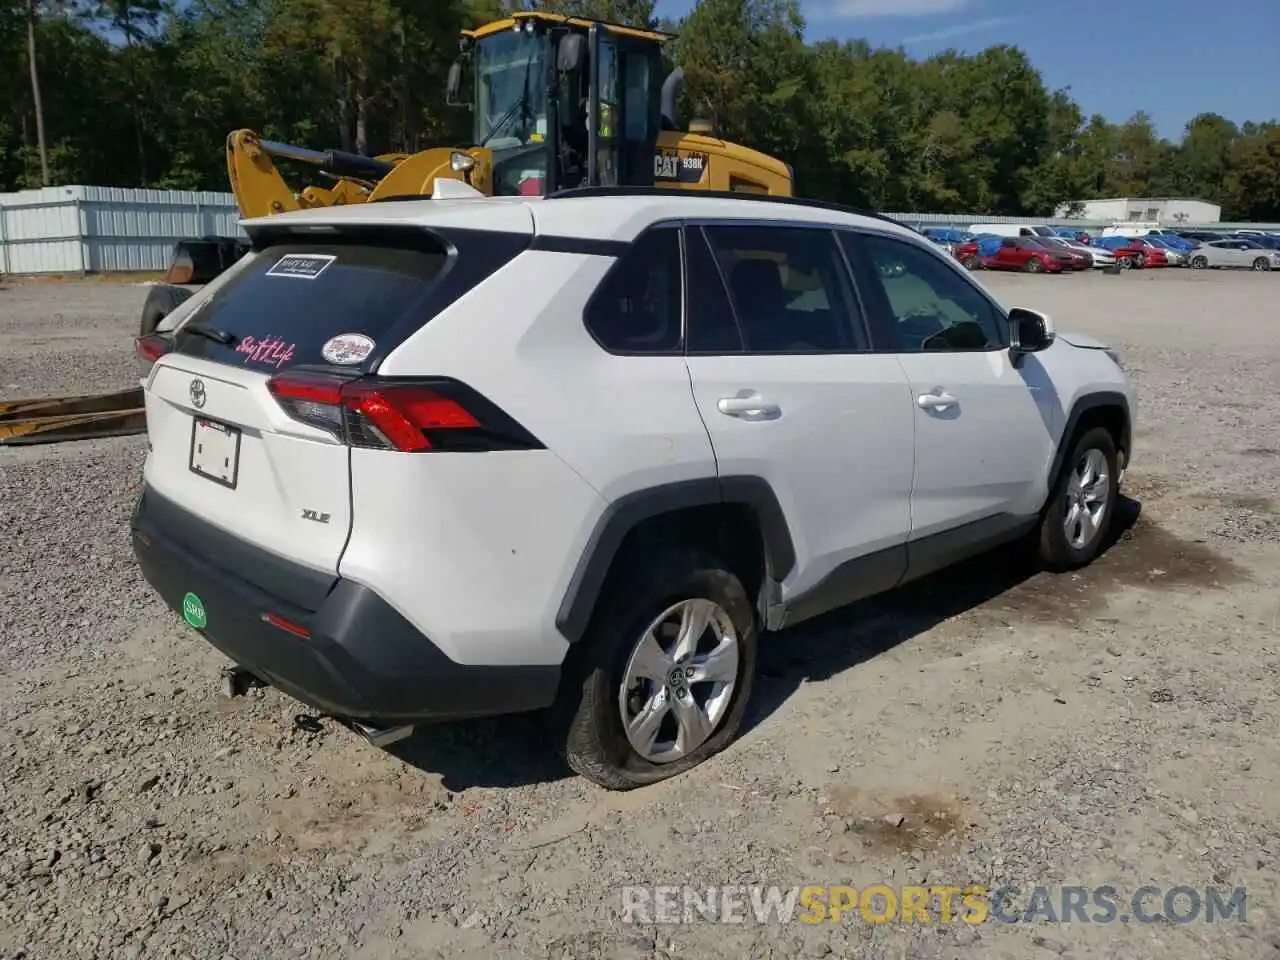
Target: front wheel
x,y
1199,263
662,678
1035,266
972,263
1080,509
1126,263
1262,263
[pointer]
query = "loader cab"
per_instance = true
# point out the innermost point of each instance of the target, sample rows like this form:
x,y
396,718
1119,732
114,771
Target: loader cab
x,y
536,83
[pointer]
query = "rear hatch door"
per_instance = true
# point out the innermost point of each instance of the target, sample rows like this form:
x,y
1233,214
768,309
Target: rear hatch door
x,y
222,447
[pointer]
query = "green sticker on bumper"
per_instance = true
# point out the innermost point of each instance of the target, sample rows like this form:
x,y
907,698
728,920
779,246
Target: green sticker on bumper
x,y
193,611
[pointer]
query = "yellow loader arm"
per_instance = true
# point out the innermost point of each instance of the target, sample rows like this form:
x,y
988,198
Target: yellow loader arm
x,y
260,190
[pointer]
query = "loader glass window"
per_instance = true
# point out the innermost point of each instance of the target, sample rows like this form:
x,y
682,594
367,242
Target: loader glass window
x,y
511,99
607,128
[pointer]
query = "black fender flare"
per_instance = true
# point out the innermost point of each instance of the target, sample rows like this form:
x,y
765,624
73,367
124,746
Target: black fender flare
x,y
625,513
1091,401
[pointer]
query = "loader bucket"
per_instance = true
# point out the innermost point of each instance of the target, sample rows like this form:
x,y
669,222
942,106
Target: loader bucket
x,y
199,261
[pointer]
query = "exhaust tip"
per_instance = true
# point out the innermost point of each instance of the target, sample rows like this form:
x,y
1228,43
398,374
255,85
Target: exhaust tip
x,y
382,736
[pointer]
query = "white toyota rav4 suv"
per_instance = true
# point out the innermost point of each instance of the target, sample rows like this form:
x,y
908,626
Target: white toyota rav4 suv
x,y
444,458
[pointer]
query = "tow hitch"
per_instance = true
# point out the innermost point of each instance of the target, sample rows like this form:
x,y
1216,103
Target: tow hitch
x,y
236,681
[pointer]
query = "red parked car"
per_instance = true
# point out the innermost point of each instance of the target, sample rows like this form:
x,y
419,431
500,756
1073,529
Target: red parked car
x,y
1134,252
1075,260
967,254
1022,253
1154,256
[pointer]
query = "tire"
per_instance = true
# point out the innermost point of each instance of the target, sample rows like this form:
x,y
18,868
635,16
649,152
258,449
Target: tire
x,y
161,301
1262,263
1057,549
587,720
1140,261
972,263
1126,263
1199,263
1035,266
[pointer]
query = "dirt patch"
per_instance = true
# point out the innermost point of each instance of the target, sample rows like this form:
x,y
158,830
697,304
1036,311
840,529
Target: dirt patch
x,y
1144,487
905,823
1260,452
1249,501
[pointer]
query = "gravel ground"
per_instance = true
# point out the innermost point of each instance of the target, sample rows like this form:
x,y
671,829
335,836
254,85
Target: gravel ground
x,y
1114,726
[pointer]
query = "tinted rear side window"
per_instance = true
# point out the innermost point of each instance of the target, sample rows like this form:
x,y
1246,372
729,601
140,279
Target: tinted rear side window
x,y
636,308
296,298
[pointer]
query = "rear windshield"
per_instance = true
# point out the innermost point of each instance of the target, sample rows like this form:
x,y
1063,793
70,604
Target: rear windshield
x,y
296,299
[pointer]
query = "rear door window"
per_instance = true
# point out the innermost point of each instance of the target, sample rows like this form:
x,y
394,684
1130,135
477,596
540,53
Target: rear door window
x,y
298,298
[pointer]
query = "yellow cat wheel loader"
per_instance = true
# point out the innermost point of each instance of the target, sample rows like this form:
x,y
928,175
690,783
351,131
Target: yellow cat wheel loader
x,y
556,102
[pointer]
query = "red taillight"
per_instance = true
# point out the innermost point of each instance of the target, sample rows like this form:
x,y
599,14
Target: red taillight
x,y
386,415
152,347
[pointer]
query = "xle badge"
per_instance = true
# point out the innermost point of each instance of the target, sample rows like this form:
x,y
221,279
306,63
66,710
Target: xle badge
x,y
193,611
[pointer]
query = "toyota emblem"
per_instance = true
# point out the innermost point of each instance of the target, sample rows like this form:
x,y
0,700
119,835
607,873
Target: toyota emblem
x,y
197,393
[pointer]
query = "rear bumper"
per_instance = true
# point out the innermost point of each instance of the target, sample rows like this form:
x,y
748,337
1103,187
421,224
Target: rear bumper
x,y
360,660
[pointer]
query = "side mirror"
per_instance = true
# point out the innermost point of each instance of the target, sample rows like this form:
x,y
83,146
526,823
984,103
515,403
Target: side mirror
x,y
570,52
1030,331
453,85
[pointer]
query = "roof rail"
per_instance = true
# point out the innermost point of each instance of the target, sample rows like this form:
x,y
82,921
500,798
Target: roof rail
x,y
635,191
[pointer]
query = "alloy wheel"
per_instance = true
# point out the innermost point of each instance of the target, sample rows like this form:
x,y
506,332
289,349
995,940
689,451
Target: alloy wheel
x,y
679,680
1088,495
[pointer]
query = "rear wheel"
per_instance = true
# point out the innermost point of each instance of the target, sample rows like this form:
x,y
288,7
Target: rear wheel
x,y
1140,261
1126,263
1262,263
1080,509
1035,266
1199,263
662,678
972,263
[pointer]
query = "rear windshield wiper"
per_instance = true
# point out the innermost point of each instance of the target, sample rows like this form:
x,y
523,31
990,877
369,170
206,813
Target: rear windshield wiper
x,y
210,333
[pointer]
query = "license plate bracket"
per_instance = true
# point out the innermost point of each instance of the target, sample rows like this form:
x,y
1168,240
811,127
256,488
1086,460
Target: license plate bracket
x,y
215,451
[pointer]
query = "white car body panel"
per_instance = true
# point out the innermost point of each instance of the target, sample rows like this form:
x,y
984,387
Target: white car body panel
x,y
478,550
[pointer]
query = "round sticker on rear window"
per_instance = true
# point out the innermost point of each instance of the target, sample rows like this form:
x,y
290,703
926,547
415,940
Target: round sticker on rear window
x,y
347,348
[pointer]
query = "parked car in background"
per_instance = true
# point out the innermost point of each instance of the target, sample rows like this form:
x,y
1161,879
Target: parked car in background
x,y
967,254
1235,253
1130,253
1176,256
1199,236
1077,236
1265,240
946,237
1097,256
1026,253
1075,259
1177,242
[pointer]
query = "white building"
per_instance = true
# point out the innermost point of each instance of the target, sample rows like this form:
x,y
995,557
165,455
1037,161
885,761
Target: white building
x,y
1165,210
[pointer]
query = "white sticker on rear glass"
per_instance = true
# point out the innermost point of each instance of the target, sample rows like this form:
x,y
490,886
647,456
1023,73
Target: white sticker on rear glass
x,y
301,266
347,348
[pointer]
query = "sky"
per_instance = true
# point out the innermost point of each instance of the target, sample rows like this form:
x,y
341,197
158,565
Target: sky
x,y
1172,58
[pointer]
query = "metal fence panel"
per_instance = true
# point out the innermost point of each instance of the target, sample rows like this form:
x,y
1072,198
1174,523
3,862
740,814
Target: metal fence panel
x,y
79,229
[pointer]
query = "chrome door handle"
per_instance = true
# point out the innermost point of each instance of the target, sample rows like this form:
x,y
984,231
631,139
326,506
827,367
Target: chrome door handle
x,y
747,407
935,401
